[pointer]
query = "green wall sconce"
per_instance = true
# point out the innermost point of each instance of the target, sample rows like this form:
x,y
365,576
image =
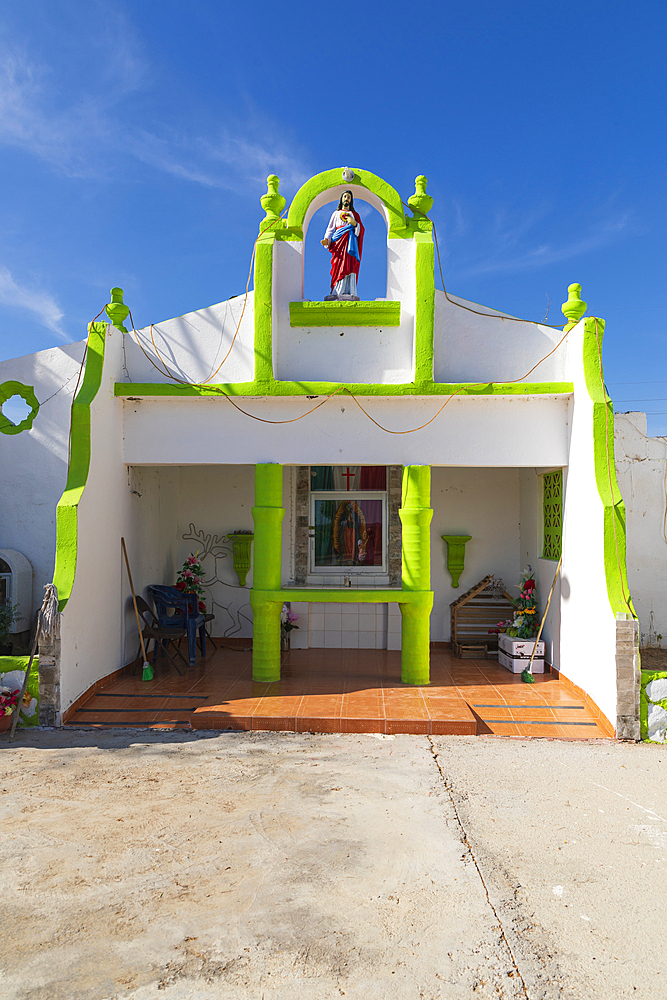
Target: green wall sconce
x,y
456,550
241,546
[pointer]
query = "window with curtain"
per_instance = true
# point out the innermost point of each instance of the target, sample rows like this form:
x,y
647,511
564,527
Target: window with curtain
x,y
348,508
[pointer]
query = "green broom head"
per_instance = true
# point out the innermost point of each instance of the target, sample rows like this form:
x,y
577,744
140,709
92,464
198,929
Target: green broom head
x,y
527,677
148,671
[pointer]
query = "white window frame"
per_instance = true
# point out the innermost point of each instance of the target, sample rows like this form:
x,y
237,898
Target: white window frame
x,y
342,571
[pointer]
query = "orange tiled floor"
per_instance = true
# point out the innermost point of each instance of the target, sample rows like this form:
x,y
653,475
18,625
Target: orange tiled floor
x,y
343,690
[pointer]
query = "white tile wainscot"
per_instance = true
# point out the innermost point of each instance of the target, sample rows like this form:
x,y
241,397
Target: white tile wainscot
x,y
344,626
514,654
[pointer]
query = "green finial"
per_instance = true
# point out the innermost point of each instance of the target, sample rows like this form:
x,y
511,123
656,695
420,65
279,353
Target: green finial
x,y
574,308
116,310
272,202
420,202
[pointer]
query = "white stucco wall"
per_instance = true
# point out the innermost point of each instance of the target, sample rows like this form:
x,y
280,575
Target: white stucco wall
x,y
216,500
531,546
343,354
471,348
92,622
486,431
483,503
588,625
641,468
193,345
34,462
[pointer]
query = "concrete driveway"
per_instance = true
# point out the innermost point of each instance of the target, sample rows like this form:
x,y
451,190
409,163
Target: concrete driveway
x,y
283,866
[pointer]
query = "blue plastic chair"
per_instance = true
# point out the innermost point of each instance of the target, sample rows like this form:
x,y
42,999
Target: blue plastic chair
x,y
186,615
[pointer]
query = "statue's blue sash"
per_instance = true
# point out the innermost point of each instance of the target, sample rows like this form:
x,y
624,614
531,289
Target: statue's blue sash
x,y
352,246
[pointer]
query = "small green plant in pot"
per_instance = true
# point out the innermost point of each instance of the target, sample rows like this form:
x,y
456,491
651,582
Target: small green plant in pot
x,y
8,615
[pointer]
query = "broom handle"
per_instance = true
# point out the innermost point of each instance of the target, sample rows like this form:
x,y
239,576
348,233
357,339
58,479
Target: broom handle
x,y
134,601
25,680
544,617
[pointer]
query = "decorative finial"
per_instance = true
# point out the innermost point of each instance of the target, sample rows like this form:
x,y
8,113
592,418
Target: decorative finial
x,y
116,310
272,202
574,308
420,202
348,175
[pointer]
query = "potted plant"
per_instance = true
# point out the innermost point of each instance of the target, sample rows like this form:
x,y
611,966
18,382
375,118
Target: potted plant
x,y
8,615
517,634
8,705
287,619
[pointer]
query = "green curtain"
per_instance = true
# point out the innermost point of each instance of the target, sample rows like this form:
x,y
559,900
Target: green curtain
x,y
325,511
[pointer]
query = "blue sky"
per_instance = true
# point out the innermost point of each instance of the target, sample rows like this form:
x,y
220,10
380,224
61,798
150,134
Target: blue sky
x,y
136,138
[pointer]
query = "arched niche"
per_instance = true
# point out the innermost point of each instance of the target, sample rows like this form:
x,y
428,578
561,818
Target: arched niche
x,y
16,573
326,188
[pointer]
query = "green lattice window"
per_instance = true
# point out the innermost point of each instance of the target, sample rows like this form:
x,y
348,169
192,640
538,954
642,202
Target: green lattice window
x,y
553,514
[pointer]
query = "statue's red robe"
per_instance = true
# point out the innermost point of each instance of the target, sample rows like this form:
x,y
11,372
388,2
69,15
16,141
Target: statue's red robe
x,y
342,262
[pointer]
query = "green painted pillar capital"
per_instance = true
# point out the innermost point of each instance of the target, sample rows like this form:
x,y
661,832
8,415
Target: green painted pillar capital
x,y
420,202
116,310
574,308
272,202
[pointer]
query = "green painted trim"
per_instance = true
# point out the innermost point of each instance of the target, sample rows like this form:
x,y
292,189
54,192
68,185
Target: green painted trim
x,y
263,309
605,472
26,392
79,466
456,554
267,513
310,314
316,185
416,515
425,307
137,390
343,595
241,555
552,515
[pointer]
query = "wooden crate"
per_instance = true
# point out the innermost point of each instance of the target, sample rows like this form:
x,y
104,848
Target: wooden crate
x,y
473,614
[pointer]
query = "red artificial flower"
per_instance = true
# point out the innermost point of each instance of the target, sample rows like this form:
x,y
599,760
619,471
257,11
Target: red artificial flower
x,y
529,585
202,607
180,585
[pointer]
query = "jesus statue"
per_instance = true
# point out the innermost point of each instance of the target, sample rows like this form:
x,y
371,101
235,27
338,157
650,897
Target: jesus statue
x,y
344,239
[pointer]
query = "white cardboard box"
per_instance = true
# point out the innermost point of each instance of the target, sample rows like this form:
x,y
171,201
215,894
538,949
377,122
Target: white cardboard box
x,y
514,654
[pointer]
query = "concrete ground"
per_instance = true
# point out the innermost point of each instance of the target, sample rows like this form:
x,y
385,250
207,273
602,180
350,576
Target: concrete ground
x,y
279,866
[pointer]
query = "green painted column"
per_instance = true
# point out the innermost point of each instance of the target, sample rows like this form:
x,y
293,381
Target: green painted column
x,y
416,515
267,514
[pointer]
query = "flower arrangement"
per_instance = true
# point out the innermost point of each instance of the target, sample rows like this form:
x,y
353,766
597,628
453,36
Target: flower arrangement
x,y
190,579
524,624
287,619
8,701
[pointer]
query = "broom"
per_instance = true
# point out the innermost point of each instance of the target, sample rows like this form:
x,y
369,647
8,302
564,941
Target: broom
x,y
527,674
44,626
148,670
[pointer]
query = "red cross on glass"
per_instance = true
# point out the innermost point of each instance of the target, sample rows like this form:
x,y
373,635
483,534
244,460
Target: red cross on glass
x,y
349,475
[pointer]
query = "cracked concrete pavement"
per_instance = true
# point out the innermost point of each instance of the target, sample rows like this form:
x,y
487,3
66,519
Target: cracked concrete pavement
x,y
279,866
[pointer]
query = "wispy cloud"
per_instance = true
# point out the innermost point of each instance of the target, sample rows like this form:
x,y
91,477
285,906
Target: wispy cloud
x,y
509,244
232,161
33,300
75,131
